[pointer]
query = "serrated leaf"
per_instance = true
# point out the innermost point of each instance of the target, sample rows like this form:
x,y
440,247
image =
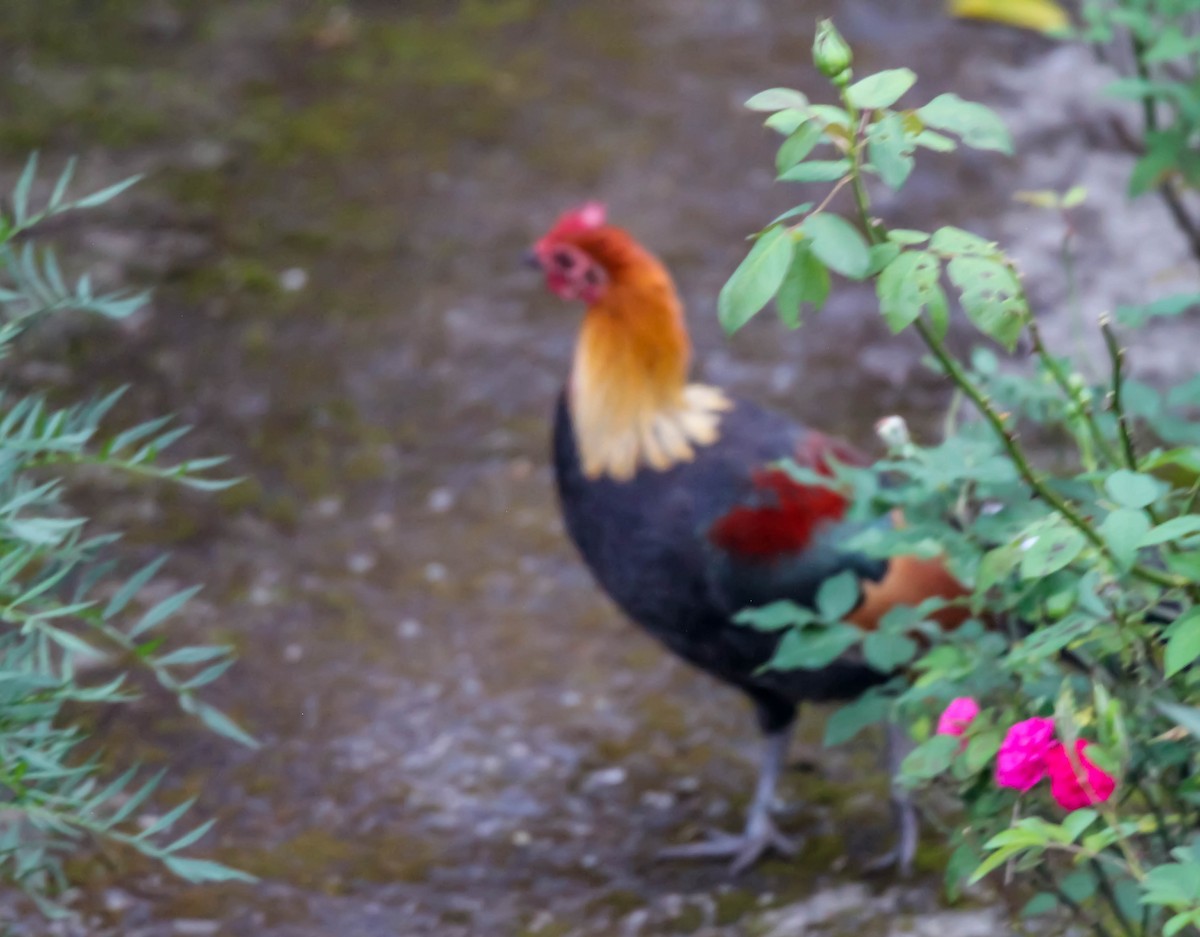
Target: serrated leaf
x,y
817,170
756,280
991,297
838,244
887,652
937,142
1133,489
838,595
1173,530
1123,530
951,241
882,89
1135,316
777,99
807,281
774,617
931,757
907,286
890,150
798,145
907,236
976,125
1050,549
1183,645
786,122
848,720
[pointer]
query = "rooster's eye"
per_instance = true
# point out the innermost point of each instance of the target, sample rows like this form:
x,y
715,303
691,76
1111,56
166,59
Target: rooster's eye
x,y
563,260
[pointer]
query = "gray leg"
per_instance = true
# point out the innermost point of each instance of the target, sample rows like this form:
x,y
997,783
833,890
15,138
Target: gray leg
x,y
760,834
903,811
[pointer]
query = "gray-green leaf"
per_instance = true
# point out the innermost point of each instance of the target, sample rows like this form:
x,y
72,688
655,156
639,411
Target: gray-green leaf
x,y
908,285
838,244
807,281
756,280
991,297
976,125
882,89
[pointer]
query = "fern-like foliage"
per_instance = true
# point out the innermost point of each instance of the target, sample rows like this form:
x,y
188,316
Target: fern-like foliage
x,y
62,603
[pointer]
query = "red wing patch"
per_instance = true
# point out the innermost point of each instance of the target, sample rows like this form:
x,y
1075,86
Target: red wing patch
x,y
788,512
785,526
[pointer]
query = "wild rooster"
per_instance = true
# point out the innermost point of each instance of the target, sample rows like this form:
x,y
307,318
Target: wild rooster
x,y
670,492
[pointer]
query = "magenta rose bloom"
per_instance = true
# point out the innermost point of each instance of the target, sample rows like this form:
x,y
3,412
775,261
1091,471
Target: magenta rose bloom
x,y
1074,788
1021,761
958,715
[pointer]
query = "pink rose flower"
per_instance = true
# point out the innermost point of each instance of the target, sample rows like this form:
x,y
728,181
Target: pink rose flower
x,y
1021,761
958,716
1073,790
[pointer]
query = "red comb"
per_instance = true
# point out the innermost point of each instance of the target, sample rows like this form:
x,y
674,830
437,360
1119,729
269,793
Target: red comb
x,y
585,217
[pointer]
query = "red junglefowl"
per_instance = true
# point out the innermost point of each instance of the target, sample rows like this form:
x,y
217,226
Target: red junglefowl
x,y
670,492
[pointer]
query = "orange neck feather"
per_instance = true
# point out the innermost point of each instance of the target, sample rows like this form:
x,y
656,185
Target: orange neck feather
x,y
630,401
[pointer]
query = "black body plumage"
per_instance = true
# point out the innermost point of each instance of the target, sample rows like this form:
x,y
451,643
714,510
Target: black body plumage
x,y
645,541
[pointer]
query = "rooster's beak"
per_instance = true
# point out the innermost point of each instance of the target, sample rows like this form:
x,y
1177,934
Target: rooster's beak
x,y
530,259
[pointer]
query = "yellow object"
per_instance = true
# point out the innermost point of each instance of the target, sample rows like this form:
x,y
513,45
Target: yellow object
x,y
1044,16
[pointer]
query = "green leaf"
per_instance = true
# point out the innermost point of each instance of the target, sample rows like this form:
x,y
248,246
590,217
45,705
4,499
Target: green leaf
x,y
1041,903
20,195
908,286
975,124
1183,643
817,170
838,595
951,242
881,255
106,195
1050,549
886,652
1123,530
838,244
785,123
1134,316
981,751
756,280
907,236
1134,489
777,99
812,649
797,146
205,870
1186,716
1173,530
807,281
847,721
935,141
163,610
931,757
775,617
1077,821
196,654
890,150
991,296
134,585
882,89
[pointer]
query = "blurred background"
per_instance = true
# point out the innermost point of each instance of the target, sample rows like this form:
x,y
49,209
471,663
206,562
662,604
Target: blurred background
x,y
460,736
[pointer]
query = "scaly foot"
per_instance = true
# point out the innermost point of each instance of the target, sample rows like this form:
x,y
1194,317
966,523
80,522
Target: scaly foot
x,y
745,850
